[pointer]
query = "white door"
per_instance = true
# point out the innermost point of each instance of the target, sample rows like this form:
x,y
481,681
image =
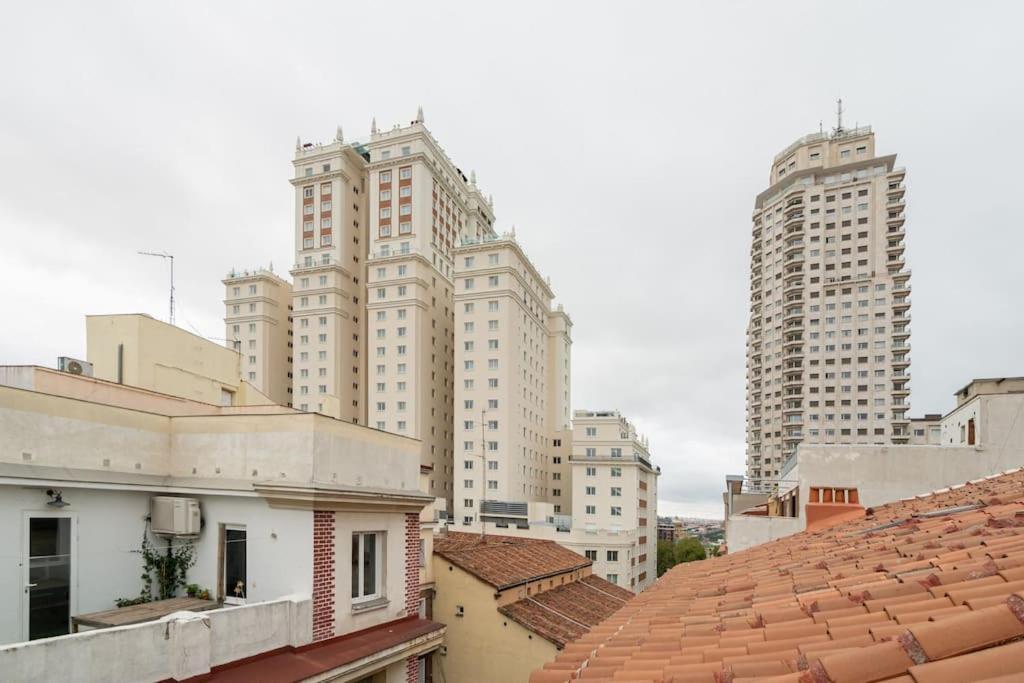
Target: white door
x,y
49,564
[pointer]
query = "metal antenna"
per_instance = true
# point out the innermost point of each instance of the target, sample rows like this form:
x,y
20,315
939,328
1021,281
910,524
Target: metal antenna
x,y
839,115
165,255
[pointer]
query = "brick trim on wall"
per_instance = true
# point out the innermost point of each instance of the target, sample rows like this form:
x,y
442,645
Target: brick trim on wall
x,y
412,563
323,575
412,667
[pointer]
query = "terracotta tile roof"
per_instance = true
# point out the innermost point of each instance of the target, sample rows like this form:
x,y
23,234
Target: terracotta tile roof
x,y
568,611
924,590
290,664
505,561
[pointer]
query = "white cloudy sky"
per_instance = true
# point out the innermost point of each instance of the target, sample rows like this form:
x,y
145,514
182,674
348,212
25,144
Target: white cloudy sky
x,y
626,141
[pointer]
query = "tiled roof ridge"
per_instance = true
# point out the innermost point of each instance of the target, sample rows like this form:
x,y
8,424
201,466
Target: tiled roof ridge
x,y
557,613
595,588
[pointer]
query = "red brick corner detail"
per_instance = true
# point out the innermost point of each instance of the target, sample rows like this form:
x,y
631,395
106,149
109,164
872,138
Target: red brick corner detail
x,y
323,575
412,563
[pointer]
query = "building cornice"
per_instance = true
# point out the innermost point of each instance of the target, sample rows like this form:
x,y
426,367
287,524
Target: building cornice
x,y
342,499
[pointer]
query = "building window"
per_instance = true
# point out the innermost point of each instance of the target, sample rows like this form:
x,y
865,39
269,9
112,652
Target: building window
x,y
591,510
591,431
612,578
235,587
367,561
405,172
591,490
616,472
612,555
616,511
616,491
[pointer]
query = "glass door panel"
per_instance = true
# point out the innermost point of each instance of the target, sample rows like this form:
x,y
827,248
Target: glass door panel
x,y
49,576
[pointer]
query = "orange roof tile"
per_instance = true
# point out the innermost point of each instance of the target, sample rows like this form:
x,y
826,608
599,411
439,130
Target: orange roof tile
x,y
564,613
506,561
924,590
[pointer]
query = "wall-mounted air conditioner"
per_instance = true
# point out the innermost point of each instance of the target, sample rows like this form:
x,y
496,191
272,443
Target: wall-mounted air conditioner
x,y
74,366
173,516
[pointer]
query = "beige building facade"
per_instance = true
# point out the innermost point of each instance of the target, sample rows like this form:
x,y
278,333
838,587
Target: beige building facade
x,y
512,365
828,350
258,325
140,351
329,279
615,498
421,205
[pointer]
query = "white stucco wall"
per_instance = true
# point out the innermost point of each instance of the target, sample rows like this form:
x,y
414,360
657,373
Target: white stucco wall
x,y
178,647
109,528
393,525
883,474
746,531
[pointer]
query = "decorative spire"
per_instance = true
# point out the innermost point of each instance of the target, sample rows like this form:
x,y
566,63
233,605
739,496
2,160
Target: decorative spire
x,y
373,126
472,177
419,114
298,142
339,136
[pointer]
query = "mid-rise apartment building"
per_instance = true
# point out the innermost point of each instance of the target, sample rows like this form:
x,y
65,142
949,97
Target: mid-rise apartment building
x,y
258,324
828,349
615,498
512,364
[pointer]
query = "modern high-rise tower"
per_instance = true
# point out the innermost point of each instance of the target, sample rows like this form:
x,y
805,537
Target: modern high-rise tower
x,y
828,349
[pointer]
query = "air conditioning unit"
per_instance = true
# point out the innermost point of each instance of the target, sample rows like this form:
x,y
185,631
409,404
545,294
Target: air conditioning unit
x,y
74,366
172,516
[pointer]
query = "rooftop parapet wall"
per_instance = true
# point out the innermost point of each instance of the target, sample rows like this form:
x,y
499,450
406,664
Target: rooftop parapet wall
x,y
222,451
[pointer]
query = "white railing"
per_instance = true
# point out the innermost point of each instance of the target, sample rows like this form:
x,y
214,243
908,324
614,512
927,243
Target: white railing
x,y
179,646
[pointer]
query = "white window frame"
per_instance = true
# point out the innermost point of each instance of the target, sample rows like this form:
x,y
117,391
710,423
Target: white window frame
x,y
380,539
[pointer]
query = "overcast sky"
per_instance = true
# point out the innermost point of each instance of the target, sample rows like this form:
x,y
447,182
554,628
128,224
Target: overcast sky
x,y
625,141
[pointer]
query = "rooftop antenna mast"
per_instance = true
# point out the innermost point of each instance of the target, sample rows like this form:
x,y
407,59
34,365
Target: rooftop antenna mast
x,y
839,116
170,257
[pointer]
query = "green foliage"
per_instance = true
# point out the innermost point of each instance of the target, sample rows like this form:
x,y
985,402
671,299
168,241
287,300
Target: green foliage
x,y
687,549
167,567
128,602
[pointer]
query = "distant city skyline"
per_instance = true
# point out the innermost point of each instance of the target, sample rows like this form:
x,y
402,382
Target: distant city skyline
x,y
625,151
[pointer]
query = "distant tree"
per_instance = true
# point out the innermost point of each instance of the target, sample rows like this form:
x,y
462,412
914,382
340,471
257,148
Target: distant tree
x,y
666,556
686,549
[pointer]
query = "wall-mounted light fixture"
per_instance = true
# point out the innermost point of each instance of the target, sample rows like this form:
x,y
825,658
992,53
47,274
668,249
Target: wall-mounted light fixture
x,y
56,499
